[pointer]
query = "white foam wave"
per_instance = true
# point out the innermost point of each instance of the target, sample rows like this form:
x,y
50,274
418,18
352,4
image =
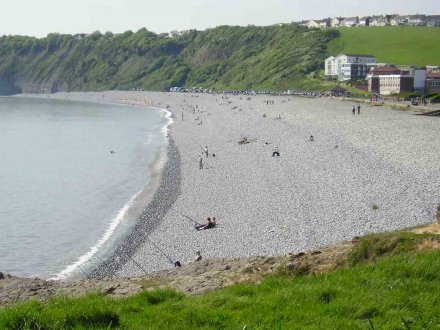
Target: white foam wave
x,y
166,127
69,270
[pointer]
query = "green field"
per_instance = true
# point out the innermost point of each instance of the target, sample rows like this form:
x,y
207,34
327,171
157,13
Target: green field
x,y
418,46
399,291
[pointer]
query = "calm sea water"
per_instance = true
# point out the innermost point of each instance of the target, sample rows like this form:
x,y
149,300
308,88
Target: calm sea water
x,y
66,199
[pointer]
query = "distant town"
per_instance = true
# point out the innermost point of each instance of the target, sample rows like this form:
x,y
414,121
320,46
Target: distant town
x,y
375,20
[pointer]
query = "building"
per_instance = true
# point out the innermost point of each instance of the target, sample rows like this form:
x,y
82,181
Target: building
x,y
350,22
378,21
364,21
353,71
419,79
433,82
389,80
417,20
433,20
433,69
336,21
348,66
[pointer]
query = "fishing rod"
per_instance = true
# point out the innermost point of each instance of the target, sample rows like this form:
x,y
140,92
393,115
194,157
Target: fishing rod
x,y
189,218
137,264
161,251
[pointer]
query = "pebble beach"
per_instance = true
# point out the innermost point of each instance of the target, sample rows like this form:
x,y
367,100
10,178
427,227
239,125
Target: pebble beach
x,y
373,172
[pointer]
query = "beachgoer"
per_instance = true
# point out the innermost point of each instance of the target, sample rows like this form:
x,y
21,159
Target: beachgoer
x,y
200,163
198,256
359,109
353,110
312,138
208,225
177,264
206,151
276,152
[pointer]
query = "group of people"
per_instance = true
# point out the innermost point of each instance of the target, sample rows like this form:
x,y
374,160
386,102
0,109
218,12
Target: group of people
x,y
210,223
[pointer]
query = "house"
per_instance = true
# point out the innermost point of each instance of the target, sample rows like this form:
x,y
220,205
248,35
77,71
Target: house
x,y
175,33
312,24
392,20
401,20
348,66
364,21
378,21
324,23
433,82
433,69
389,80
350,21
433,20
417,20
330,67
336,21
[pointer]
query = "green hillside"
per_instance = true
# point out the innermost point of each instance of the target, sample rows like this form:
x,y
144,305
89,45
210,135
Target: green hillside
x,y
272,57
276,57
418,46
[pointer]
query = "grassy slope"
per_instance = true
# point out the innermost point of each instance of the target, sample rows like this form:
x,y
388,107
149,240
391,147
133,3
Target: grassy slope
x,y
418,46
398,292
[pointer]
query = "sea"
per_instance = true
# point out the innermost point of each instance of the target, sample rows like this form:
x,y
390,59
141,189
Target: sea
x,y
74,177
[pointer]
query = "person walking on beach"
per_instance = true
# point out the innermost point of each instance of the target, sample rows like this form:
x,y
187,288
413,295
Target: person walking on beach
x,y
353,110
200,163
359,109
206,151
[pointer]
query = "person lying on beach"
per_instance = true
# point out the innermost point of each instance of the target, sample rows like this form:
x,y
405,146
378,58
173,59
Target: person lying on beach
x,y
208,225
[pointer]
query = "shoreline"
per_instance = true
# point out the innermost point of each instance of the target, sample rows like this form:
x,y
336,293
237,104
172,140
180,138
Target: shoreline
x,y
274,208
165,193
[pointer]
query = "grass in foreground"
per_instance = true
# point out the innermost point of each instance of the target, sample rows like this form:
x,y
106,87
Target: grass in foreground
x,y
398,292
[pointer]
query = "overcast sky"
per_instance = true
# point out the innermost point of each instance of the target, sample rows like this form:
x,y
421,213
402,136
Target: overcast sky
x,y
40,17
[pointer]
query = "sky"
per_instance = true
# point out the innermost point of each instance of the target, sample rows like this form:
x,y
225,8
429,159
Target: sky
x,y
40,17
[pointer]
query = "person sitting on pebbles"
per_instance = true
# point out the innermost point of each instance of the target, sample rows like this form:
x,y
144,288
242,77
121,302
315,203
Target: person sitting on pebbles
x,y
276,152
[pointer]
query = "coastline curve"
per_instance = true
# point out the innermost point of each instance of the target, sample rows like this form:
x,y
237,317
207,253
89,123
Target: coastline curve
x,y
166,194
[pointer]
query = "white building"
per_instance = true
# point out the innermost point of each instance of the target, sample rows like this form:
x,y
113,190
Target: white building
x,y
336,21
378,21
348,66
330,67
350,21
312,24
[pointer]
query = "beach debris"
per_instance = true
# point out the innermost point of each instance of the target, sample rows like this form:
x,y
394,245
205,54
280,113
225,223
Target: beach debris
x,y
244,140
